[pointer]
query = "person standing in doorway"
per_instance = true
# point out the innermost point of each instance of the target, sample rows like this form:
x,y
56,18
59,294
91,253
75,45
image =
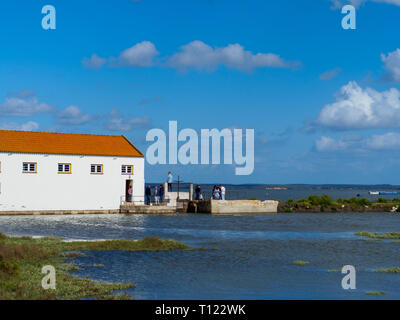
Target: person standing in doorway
x,y
170,180
156,196
148,195
130,191
222,188
161,193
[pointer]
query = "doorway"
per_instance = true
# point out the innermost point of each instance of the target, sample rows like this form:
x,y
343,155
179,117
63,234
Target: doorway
x,y
128,184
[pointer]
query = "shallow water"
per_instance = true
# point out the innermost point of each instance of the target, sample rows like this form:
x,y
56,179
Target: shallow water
x,y
246,256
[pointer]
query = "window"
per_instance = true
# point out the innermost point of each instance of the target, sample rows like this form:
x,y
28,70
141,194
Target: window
x,y
64,168
127,169
29,167
96,169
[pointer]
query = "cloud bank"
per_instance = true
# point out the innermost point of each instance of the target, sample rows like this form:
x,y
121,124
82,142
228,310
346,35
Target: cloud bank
x,y
194,55
23,104
72,115
201,56
27,126
378,142
392,65
356,3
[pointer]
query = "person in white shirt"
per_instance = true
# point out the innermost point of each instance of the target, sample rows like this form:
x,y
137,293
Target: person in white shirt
x,y
156,196
222,188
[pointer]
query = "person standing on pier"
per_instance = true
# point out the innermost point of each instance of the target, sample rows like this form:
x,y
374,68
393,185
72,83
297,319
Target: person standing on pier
x,y
216,193
148,195
161,193
222,188
169,180
197,192
156,196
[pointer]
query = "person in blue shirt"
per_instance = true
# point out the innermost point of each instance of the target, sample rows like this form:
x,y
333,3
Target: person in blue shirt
x,y
169,180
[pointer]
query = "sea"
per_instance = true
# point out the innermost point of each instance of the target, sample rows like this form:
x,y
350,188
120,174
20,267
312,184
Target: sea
x,y
243,256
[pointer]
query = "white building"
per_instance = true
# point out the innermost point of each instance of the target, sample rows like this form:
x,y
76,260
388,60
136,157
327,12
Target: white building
x,y
42,171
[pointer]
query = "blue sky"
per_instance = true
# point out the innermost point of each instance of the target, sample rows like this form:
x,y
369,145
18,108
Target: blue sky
x,y
323,101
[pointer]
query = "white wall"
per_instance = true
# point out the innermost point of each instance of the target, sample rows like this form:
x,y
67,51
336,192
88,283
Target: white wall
x,y
49,190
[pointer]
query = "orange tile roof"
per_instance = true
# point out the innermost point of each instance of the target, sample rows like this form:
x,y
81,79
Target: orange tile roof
x,y
66,143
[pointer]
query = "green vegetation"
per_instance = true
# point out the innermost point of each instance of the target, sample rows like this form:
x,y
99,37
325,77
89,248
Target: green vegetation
x,y
333,270
312,201
375,293
325,203
376,235
300,263
391,270
98,266
22,259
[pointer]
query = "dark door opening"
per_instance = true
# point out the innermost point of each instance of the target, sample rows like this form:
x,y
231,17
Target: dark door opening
x,y
129,190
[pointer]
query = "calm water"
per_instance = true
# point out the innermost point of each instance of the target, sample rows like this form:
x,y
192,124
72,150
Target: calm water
x,y
295,192
246,256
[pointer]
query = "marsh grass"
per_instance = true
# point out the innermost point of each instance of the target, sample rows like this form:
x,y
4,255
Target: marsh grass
x,y
375,293
300,262
376,235
22,259
390,270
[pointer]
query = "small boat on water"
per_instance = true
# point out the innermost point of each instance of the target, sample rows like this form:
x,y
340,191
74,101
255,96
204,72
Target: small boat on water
x,y
384,193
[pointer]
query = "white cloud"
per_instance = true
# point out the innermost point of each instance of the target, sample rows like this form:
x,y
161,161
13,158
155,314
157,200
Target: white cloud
x,y
201,56
392,64
73,115
28,126
340,3
117,122
357,108
387,141
330,74
140,55
21,105
94,62
328,144
377,142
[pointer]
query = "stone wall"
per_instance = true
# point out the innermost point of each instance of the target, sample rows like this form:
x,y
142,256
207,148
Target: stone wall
x,y
233,206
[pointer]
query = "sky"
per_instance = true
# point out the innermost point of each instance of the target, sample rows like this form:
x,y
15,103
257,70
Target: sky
x,y
324,102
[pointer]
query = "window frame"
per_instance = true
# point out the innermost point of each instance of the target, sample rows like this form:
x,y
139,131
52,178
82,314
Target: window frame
x,y
29,164
126,166
64,164
96,165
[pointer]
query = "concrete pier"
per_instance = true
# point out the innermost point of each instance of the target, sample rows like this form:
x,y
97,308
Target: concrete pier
x,y
233,206
143,209
181,206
